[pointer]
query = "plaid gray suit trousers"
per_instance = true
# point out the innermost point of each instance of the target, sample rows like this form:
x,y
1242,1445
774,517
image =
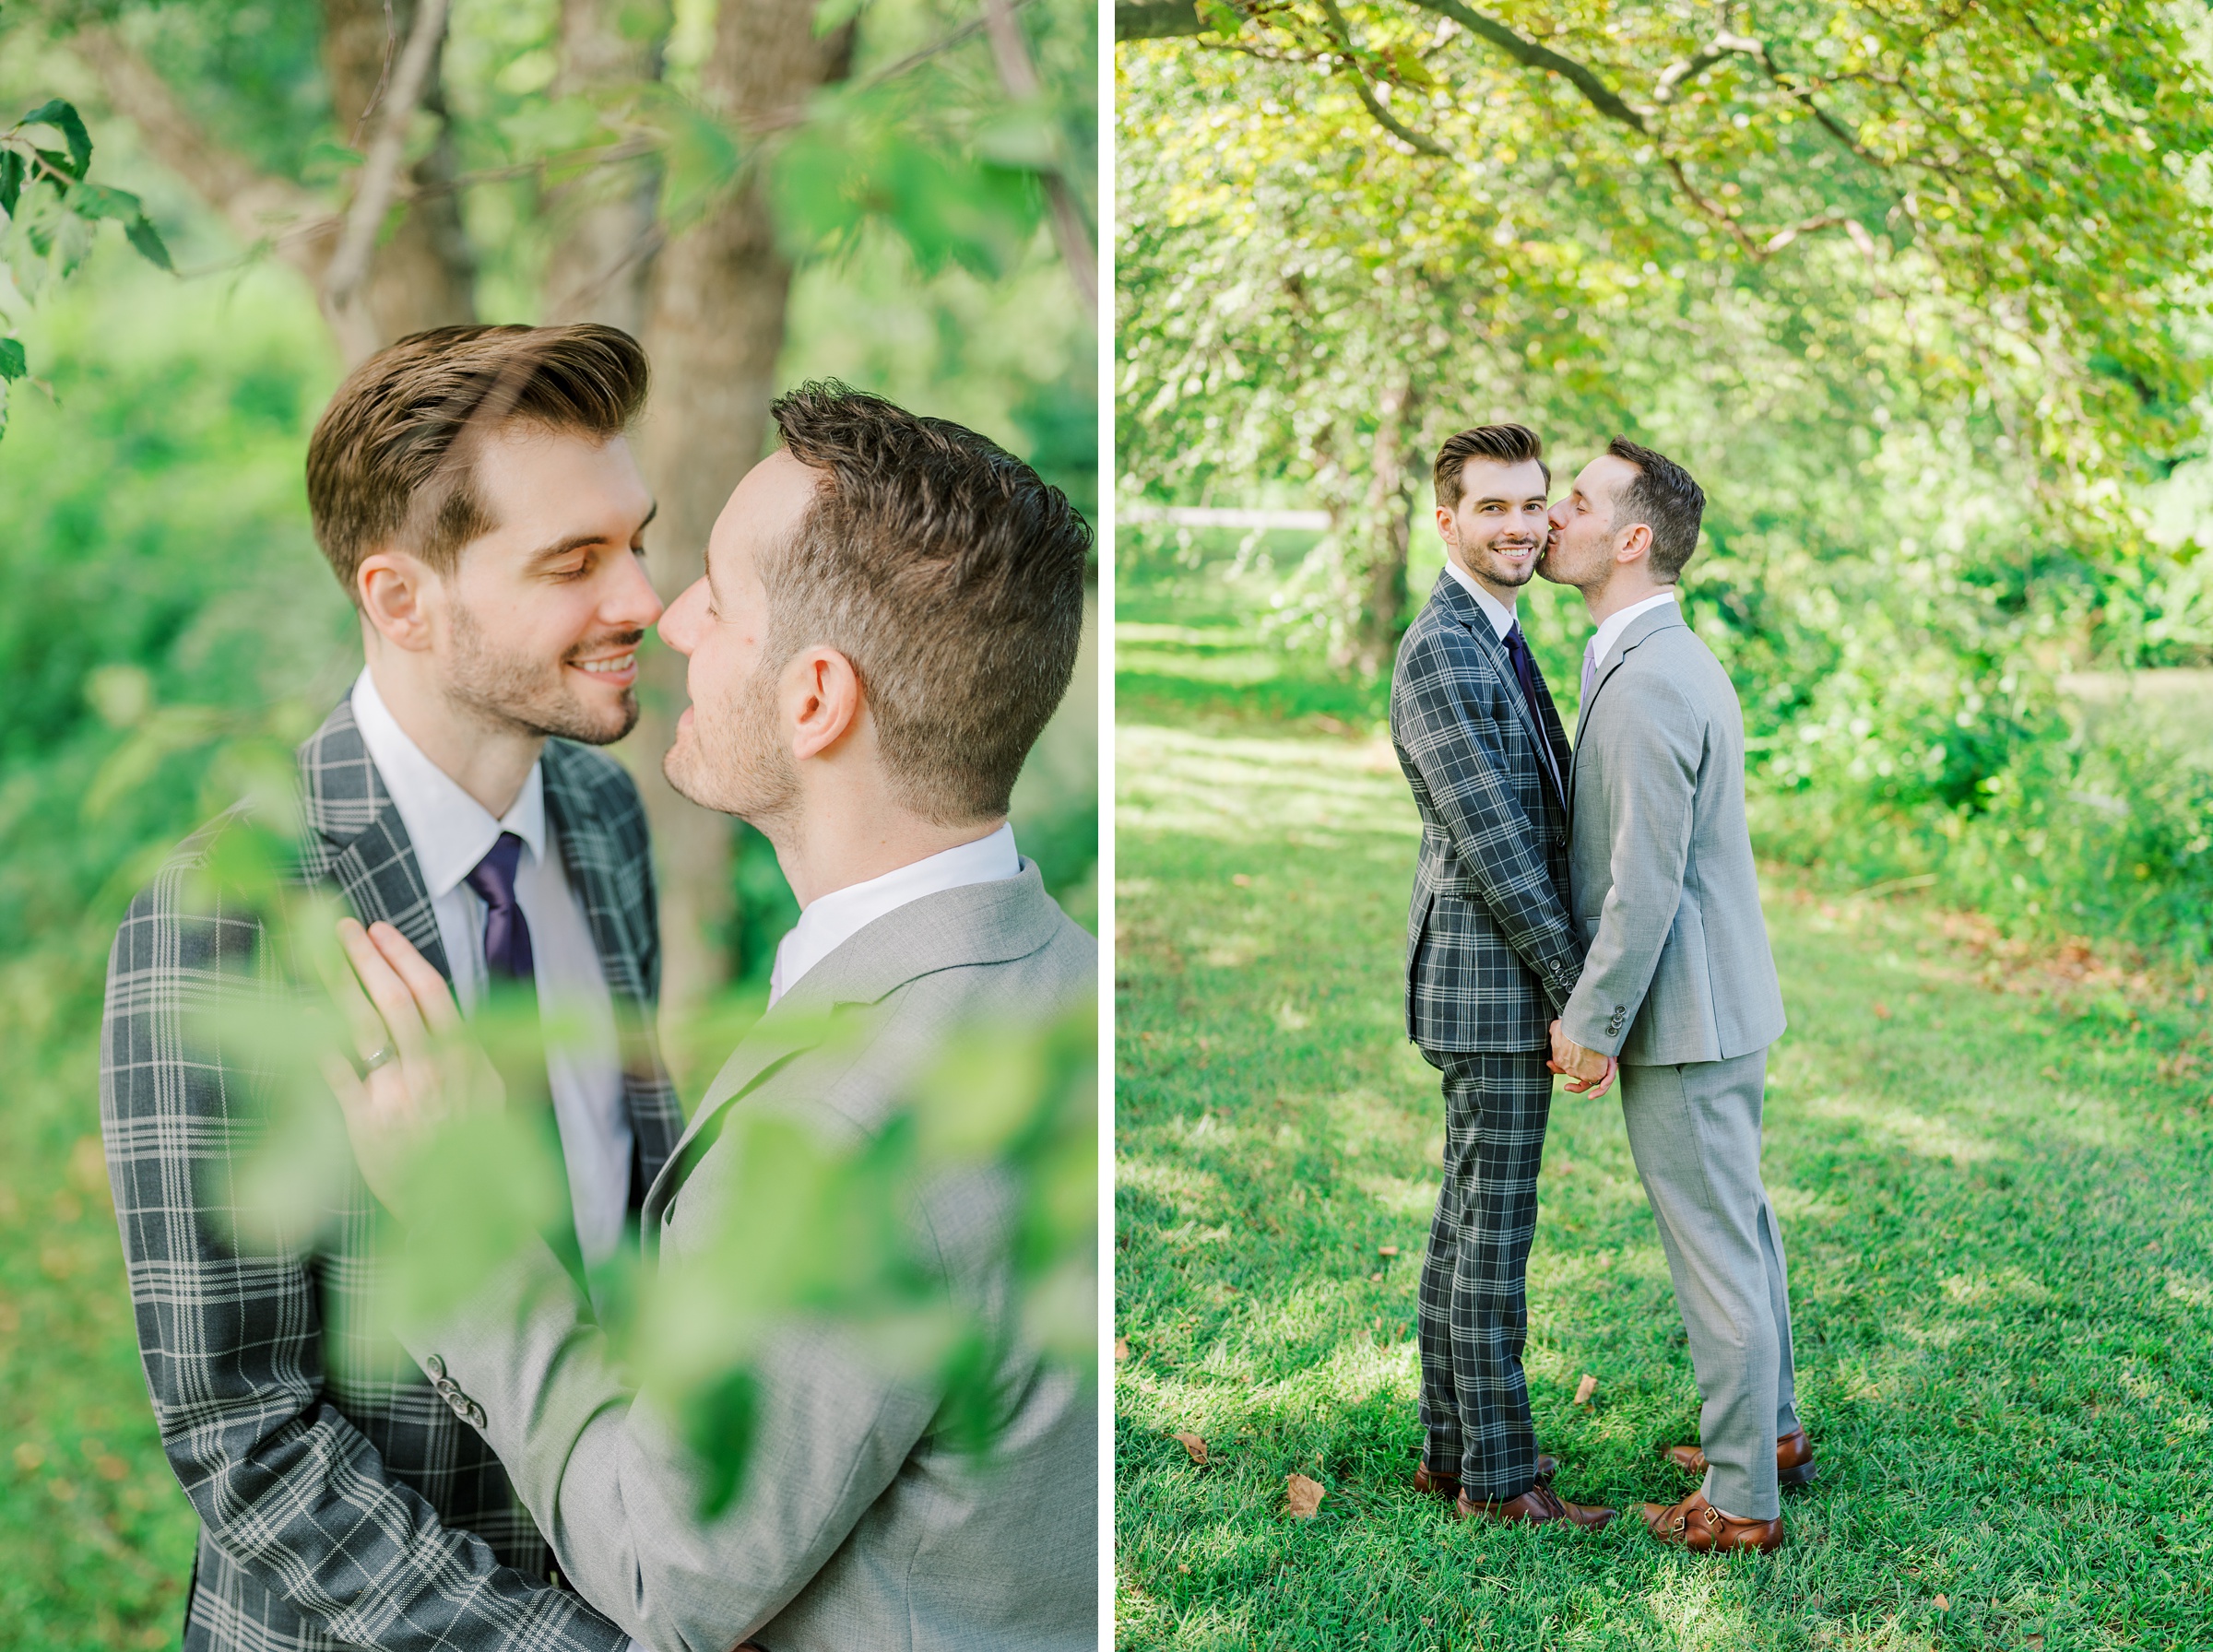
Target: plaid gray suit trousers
x,y
342,1503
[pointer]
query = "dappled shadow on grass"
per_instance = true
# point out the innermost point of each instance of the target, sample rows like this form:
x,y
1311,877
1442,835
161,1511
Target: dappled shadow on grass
x,y
1996,1210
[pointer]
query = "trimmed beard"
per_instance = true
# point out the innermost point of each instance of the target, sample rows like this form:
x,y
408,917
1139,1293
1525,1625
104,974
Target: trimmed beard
x,y
744,768
510,691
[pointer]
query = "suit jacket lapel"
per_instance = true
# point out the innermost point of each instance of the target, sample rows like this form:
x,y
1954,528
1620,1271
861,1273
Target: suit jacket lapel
x,y
359,840
977,924
1467,613
592,854
1638,630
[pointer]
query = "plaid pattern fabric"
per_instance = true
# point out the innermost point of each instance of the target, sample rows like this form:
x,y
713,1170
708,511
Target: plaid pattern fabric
x,y
342,1503
1473,1316
1491,953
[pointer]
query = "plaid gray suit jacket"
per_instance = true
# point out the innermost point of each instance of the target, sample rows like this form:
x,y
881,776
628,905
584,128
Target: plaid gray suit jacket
x,y
341,1503
1491,954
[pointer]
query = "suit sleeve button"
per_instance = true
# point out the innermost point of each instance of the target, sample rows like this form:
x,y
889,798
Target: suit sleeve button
x,y
434,1366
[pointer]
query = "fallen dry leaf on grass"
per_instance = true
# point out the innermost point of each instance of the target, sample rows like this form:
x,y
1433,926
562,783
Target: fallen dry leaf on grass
x,y
1121,1349
1882,1011
1196,1446
1241,879
1387,1250
1585,1389
1302,1497
1942,1604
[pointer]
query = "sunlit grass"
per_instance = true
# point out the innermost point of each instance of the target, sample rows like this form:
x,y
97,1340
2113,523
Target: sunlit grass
x,y
1994,1200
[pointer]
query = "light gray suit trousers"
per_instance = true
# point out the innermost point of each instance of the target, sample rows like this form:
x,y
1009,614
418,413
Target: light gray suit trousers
x,y
1680,986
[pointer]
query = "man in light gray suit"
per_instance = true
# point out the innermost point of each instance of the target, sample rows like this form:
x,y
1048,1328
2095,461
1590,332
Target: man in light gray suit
x,y
1678,990
890,614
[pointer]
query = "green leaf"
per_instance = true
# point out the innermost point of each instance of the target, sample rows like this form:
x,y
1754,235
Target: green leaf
x,y
11,180
63,117
833,15
97,200
140,232
1222,18
13,364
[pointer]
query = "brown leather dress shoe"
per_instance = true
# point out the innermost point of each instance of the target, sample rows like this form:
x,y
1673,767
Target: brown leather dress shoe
x,y
1436,1482
1793,1459
1535,1506
1697,1524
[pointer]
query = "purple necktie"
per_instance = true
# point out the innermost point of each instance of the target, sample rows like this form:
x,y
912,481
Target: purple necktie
x,y
506,932
507,958
1525,673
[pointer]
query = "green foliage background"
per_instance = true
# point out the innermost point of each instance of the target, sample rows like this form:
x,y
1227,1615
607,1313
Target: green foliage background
x,y
1954,449
159,592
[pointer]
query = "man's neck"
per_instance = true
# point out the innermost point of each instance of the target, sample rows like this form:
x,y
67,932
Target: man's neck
x,y
824,849
1505,594
1625,590
490,762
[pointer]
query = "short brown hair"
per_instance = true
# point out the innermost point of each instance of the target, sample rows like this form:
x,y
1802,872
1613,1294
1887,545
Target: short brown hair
x,y
390,458
952,576
1665,498
1508,443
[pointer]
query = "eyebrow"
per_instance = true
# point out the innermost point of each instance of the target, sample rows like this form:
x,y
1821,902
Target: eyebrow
x,y
1493,499
560,547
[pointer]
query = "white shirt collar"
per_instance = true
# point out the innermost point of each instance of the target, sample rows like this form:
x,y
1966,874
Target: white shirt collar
x,y
449,830
831,920
1610,629
1500,614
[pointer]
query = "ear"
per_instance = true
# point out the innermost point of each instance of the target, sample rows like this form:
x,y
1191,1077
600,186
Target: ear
x,y
1635,543
824,698
391,586
1445,527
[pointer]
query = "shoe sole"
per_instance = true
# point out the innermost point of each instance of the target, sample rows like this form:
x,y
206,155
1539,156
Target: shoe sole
x,y
1801,1475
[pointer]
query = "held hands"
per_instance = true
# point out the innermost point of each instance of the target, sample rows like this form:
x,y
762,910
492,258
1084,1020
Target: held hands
x,y
418,1069
1589,1073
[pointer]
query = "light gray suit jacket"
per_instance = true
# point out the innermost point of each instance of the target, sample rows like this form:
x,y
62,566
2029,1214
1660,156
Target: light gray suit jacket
x,y
857,1526
1660,869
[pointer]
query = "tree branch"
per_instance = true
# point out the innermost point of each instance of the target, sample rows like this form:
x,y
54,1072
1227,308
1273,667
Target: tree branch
x,y
380,176
1585,79
1019,75
1350,63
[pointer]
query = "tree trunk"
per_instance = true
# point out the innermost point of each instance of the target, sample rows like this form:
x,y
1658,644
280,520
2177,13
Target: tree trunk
x,y
715,328
425,271
1382,583
606,238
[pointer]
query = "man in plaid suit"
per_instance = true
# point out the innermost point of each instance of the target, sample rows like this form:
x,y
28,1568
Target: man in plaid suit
x,y
473,491
1491,956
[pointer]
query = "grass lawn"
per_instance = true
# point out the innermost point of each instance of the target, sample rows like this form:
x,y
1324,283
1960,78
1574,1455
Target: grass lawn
x,y
1993,1181
98,1537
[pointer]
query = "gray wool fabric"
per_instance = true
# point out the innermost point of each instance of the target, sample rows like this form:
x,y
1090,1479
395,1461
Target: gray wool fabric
x,y
342,1502
1680,983
857,1525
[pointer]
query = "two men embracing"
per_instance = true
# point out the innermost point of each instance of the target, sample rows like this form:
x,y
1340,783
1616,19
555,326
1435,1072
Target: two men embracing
x,y
890,613
1591,911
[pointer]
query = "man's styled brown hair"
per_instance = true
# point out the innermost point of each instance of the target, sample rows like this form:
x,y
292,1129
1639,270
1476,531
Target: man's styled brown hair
x,y
952,576
1508,443
1665,498
391,459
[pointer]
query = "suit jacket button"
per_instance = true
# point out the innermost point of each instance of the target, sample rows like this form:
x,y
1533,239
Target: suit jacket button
x,y
435,1366
476,1414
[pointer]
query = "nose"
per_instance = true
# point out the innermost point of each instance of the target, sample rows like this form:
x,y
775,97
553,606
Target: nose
x,y
680,624
1557,516
633,604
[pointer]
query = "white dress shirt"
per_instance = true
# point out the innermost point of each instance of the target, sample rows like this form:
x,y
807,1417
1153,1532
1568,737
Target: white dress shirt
x,y
450,832
1500,614
831,920
1609,632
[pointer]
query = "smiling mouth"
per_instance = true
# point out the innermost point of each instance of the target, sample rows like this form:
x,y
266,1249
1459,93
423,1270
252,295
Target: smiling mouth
x,y
615,666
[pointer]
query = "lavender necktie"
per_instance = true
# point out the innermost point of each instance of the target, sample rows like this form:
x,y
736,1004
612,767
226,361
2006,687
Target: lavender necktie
x,y
507,957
